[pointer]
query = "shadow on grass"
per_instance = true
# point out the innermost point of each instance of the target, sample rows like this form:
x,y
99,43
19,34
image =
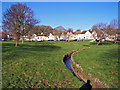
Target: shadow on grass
x,y
27,49
31,46
106,43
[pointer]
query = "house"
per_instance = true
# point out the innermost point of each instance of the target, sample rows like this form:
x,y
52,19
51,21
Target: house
x,y
34,37
88,35
70,36
63,36
40,37
111,37
78,35
51,37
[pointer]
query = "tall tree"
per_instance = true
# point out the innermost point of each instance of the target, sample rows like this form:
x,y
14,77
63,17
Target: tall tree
x,y
100,28
18,19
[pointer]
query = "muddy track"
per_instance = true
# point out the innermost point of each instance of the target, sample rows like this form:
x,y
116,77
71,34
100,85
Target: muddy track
x,y
77,69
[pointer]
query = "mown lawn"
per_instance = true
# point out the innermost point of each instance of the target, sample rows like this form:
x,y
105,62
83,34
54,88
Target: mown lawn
x,y
39,64
100,62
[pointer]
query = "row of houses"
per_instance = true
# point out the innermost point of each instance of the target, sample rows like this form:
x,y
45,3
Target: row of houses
x,y
68,35
77,35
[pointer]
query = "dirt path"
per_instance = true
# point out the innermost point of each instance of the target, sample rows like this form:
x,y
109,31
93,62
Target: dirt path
x,y
77,69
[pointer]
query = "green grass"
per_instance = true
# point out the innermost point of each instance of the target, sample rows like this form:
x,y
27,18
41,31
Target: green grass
x,y
101,62
39,64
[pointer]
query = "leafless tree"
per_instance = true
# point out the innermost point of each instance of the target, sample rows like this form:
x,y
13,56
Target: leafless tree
x,y
18,19
100,29
112,28
99,26
103,30
114,24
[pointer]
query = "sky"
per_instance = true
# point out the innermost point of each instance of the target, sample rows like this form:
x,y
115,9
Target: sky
x,y
75,15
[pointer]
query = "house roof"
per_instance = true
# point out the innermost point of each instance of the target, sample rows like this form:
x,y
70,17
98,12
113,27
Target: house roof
x,y
77,32
91,30
83,32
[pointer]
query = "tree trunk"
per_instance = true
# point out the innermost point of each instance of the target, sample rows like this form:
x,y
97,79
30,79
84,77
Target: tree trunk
x,y
17,40
22,40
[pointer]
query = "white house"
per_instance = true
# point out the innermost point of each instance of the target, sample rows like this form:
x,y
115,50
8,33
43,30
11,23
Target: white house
x,y
51,37
80,35
63,36
34,37
88,35
40,37
70,36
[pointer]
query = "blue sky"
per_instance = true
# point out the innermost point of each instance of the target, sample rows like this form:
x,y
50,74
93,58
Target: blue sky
x,y
76,15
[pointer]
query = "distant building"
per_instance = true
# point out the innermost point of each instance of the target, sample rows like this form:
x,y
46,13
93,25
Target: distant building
x,y
40,37
51,37
70,35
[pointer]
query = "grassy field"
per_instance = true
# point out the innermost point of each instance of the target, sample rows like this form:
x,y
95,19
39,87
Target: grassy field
x,y
39,64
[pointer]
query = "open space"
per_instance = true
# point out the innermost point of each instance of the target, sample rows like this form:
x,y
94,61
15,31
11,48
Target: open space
x,y
40,64
59,44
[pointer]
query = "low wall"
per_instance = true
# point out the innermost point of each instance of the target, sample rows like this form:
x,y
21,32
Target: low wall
x,y
78,71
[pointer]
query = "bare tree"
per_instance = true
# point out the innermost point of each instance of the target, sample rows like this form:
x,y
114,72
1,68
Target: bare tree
x,y
100,29
103,30
112,28
114,24
18,19
99,26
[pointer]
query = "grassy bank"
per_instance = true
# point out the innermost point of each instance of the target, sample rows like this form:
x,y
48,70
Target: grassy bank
x,y
100,62
39,64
